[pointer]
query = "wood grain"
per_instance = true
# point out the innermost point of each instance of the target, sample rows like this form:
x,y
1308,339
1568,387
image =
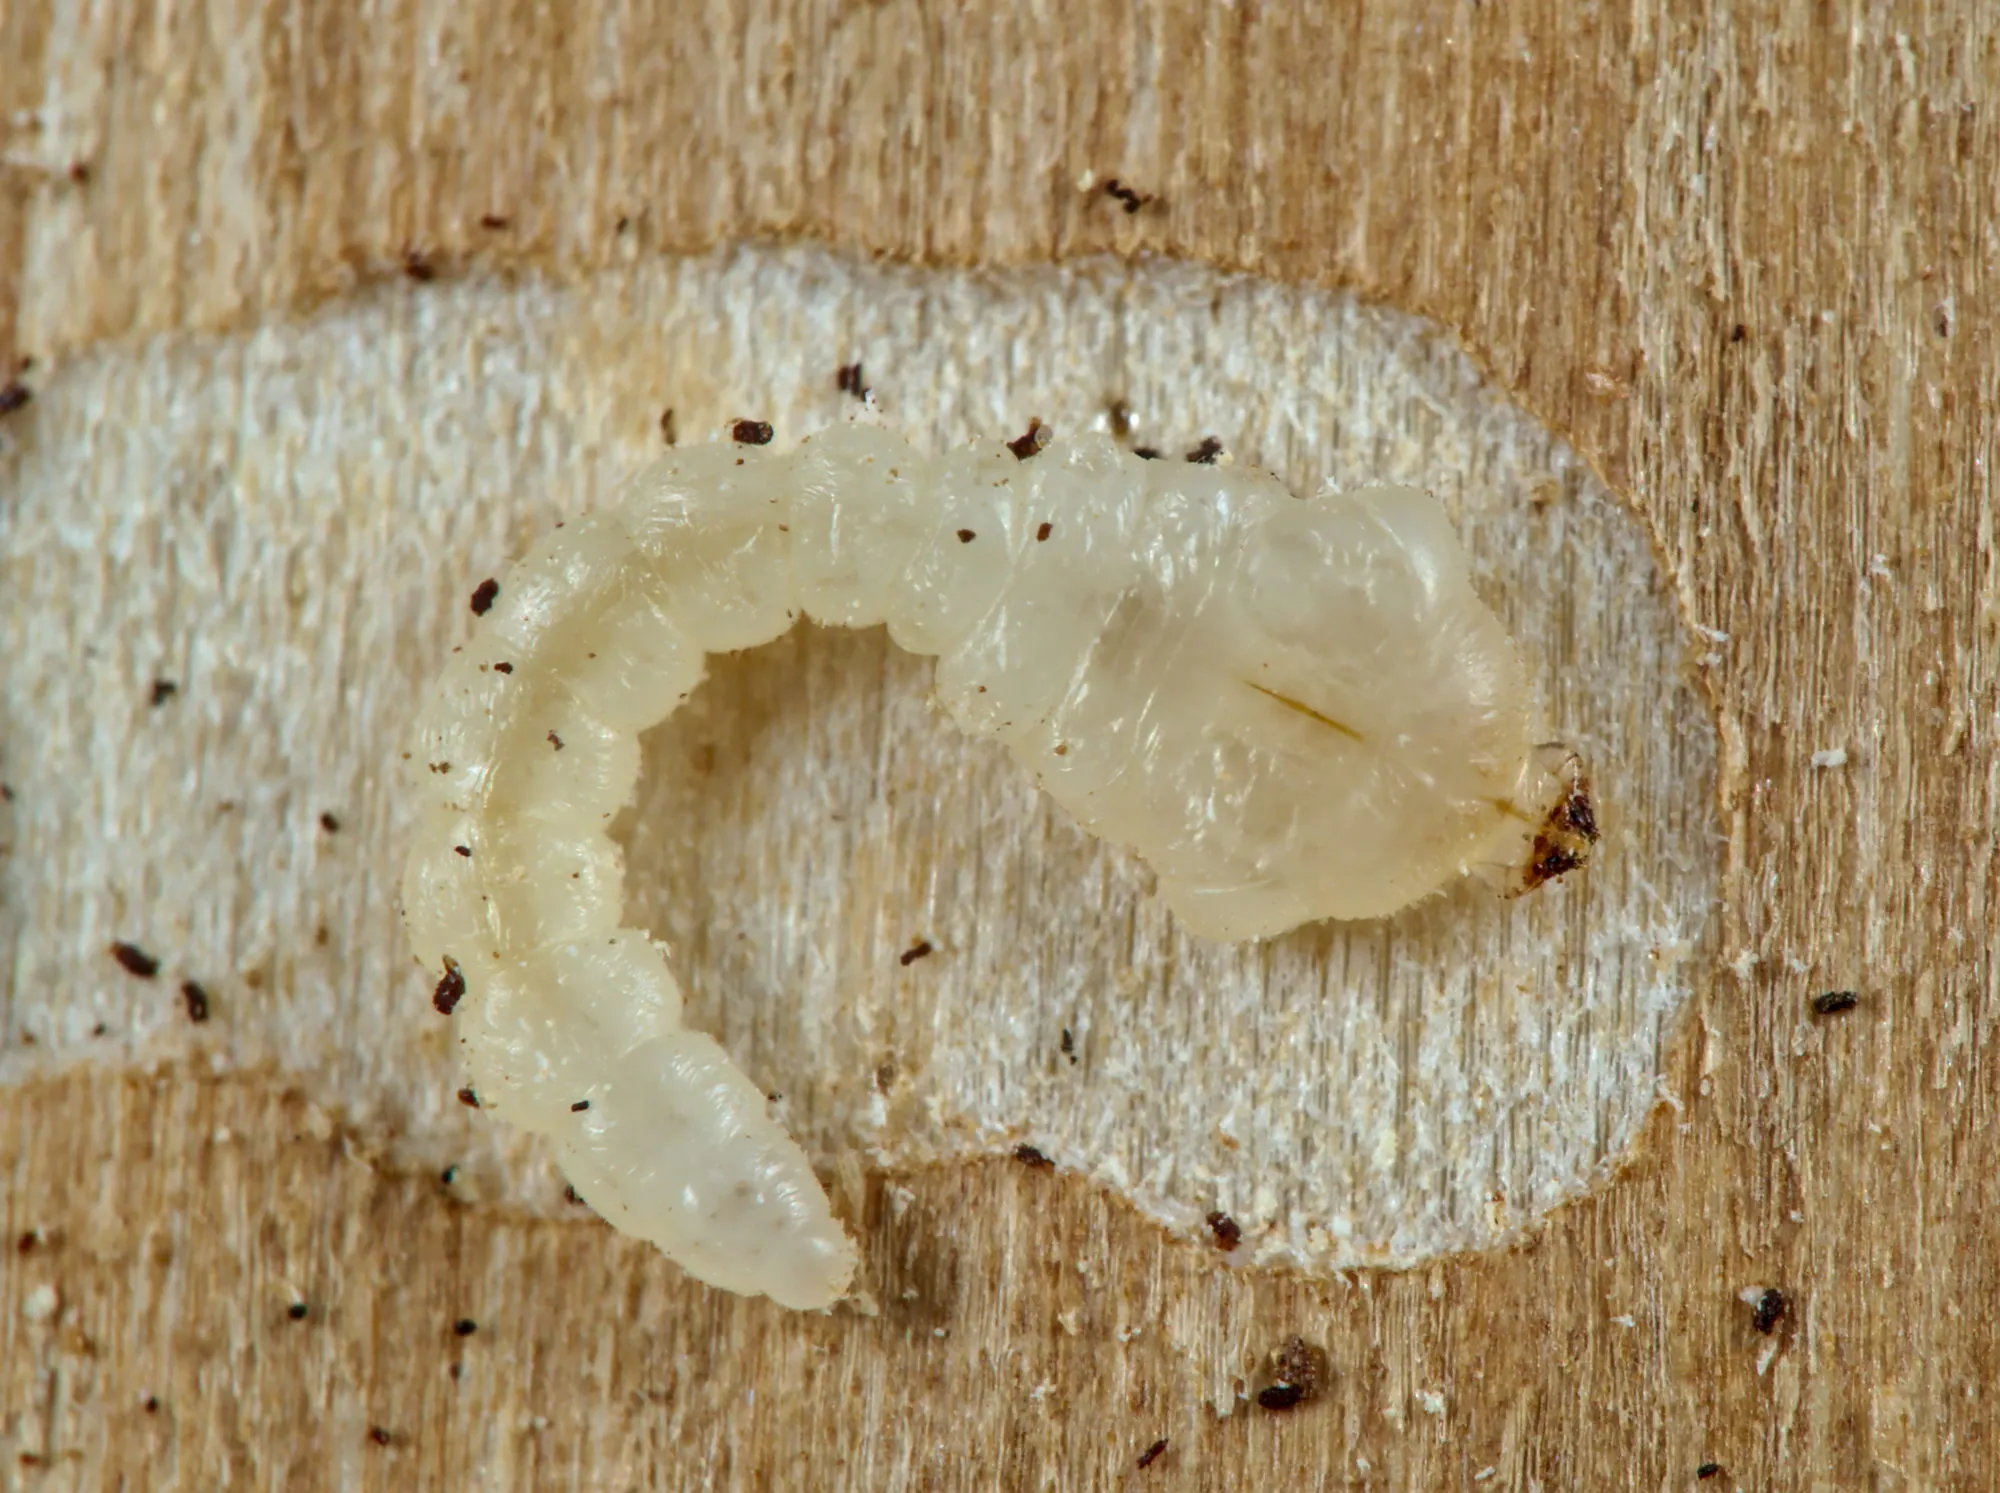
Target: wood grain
x,y
1740,256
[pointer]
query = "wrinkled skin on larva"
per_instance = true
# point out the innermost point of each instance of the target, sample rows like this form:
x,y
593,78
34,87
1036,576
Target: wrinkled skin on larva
x,y
1293,709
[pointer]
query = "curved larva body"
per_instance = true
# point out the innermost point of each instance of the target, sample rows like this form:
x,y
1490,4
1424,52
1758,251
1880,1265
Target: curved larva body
x,y
1292,709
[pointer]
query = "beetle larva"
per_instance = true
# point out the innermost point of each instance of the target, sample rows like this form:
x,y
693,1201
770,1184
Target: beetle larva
x,y
1292,709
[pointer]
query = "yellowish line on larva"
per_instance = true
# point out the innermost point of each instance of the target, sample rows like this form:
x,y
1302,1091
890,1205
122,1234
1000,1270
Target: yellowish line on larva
x,y
1306,710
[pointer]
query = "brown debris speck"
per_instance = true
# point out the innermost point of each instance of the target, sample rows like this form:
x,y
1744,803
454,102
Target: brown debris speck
x,y
494,222
135,960
1206,452
151,1405
1032,442
1028,1156
469,1099
1833,1002
14,395
1069,1045
1043,531
380,1435
450,989
1125,197
1563,842
417,265
966,536
849,380
667,431
163,691
1298,1369
1146,453
572,1194
482,596
751,433
1769,1310
1152,1453
503,668
330,824
1227,1231
555,741
194,1000
914,952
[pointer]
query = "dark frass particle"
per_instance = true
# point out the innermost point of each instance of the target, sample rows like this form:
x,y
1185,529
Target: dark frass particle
x,y
579,1107
464,850
503,668
1152,1453
1028,1156
914,952
14,395
163,691
1298,1369
966,536
1043,531
465,1327
1125,197
195,1000
1769,1310
1146,453
1280,1396
482,596
469,1099
380,1435
1069,1045
1032,442
849,380
1206,452
297,1311
1708,1470
135,960
1833,1002
751,433
494,222
1228,1233
329,823
667,431
417,265
449,989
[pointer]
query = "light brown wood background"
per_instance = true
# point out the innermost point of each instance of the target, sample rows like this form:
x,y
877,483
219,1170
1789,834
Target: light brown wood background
x,y
1742,256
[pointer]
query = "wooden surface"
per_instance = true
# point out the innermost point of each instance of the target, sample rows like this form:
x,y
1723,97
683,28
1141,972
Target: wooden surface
x,y
1740,259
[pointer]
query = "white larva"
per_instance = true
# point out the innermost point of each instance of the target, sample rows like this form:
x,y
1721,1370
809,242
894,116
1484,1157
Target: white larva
x,y
1293,709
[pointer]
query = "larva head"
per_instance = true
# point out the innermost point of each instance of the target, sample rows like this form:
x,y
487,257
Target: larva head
x,y
1305,712
1565,836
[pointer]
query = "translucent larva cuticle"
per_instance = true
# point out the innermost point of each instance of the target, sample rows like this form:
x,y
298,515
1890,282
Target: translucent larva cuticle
x,y
1292,710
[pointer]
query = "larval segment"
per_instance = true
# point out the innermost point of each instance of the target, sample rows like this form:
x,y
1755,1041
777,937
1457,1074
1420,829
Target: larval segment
x,y
1293,709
